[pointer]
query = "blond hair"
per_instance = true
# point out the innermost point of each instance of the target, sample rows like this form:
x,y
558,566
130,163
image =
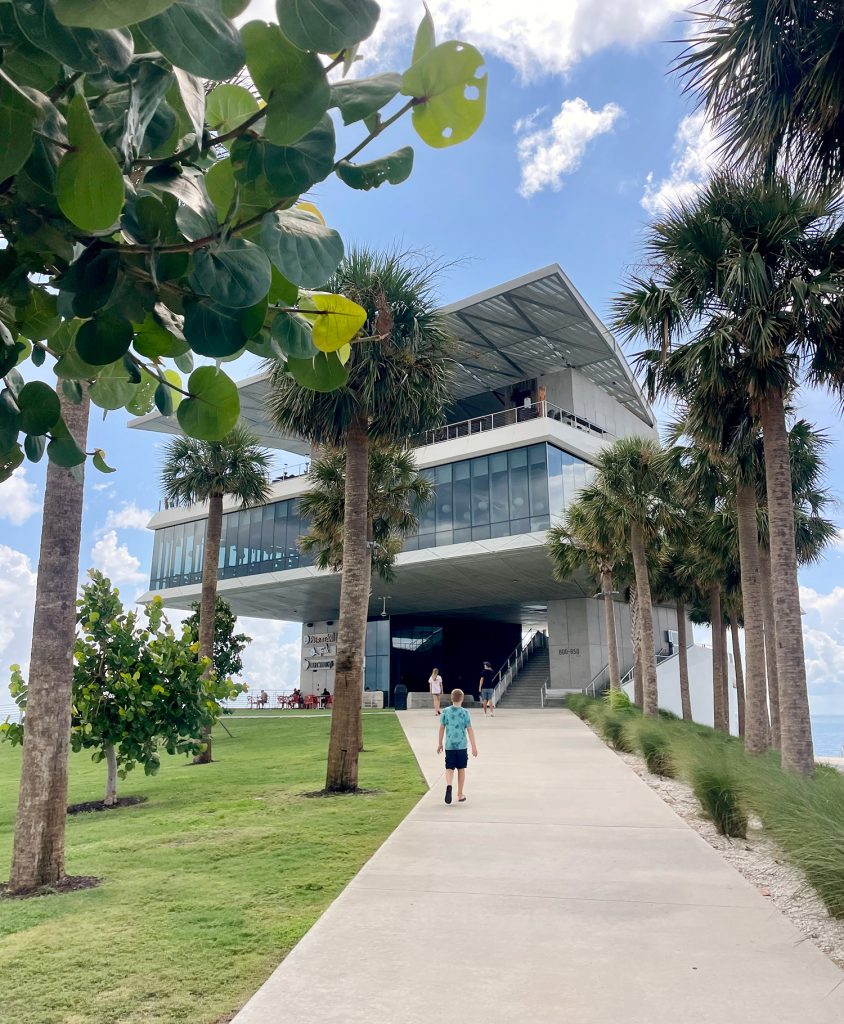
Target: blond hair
x,y
457,696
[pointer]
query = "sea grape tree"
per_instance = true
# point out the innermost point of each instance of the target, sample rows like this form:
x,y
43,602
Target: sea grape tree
x,y
151,207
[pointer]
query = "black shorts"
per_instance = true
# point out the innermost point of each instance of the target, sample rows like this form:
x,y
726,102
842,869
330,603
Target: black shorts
x,y
458,758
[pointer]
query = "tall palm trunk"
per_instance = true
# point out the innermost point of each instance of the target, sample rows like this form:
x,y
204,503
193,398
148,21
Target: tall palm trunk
x,y
208,599
38,853
725,677
717,656
795,728
650,704
609,617
740,694
770,644
683,662
755,725
636,636
344,744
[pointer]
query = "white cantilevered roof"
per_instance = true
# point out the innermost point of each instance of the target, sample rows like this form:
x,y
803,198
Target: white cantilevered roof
x,y
534,325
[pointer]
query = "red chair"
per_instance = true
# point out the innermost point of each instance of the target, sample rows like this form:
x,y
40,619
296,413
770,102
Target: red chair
x,y
329,700
311,701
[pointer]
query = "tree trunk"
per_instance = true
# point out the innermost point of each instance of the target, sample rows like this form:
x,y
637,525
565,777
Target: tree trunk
x,y
636,636
740,694
111,781
344,744
208,600
683,663
795,728
640,564
612,643
717,656
725,678
754,726
770,644
38,853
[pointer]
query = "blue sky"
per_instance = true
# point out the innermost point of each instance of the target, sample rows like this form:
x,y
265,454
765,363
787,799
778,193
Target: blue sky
x,y
586,135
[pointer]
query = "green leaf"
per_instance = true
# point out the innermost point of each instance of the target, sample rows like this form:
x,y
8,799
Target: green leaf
x,y
164,400
287,170
327,26
14,382
452,99
89,185
292,335
113,387
156,339
293,83
301,247
65,452
221,185
91,279
39,407
10,350
213,330
41,318
10,459
72,391
426,37
104,339
324,373
335,320
360,97
35,445
82,49
18,117
394,169
213,407
228,106
107,13
198,38
235,273
100,462
142,400
192,92
282,291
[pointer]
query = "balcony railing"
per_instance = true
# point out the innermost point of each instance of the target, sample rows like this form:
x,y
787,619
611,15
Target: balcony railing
x,y
506,418
287,473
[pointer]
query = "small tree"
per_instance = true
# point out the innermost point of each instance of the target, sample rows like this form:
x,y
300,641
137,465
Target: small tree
x,y
228,645
136,687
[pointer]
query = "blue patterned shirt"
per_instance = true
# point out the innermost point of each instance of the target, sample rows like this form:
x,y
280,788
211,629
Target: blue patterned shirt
x,y
456,721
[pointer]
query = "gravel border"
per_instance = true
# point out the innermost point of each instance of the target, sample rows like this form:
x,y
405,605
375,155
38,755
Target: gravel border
x,y
758,859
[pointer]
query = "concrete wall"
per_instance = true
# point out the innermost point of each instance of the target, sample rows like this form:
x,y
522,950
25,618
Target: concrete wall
x,y
575,393
577,641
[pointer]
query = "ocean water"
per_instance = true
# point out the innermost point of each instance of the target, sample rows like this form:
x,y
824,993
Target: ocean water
x,y
828,735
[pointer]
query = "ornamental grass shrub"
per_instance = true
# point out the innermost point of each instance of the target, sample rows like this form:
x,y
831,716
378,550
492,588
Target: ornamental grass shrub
x,y
654,744
718,789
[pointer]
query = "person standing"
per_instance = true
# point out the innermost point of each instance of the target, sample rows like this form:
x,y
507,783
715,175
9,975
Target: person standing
x,y
456,728
487,689
435,685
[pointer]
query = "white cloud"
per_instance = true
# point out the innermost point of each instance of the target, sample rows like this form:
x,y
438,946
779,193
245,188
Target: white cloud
x,y
537,37
115,561
18,498
823,639
695,158
127,517
272,660
17,598
546,154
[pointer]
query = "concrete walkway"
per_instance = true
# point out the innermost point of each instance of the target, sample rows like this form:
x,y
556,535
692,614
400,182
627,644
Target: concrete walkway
x,y
564,891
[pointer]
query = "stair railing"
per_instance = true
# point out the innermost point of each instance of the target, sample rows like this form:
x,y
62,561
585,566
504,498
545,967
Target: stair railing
x,y
662,655
532,641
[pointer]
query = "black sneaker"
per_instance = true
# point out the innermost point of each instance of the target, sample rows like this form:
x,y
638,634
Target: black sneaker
x,y
448,794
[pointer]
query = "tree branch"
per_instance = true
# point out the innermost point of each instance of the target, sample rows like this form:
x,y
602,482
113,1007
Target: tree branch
x,y
411,103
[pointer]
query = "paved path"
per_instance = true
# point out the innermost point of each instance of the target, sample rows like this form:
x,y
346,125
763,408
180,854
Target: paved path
x,y
564,891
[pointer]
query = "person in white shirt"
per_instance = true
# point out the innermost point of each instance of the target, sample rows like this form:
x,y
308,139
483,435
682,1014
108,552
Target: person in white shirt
x,y
435,685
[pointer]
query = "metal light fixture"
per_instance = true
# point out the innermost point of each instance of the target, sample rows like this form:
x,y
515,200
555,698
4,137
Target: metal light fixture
x,y
384,601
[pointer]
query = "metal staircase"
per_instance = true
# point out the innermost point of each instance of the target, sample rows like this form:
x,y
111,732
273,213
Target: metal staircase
x,y
525,690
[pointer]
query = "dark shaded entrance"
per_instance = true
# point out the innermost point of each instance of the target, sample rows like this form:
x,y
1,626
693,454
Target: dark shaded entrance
x,y
457,647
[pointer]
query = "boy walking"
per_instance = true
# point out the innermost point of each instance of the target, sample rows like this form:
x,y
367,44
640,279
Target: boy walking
x,y
456,726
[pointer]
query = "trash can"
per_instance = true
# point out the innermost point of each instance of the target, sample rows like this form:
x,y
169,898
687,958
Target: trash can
x,y
400,698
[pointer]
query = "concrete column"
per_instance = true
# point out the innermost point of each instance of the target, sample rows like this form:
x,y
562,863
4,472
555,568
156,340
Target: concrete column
x,y
576,642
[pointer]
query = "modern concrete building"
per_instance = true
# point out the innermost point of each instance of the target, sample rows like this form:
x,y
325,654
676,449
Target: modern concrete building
x,y
541,387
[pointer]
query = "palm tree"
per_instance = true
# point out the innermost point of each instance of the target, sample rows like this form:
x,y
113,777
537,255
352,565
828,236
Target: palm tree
x,y
636,502
752,262
209,471
38,852
398,384
770,77
673,583
589,538
398,494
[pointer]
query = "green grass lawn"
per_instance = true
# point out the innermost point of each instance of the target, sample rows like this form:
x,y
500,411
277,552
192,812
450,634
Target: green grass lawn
x,y
206,886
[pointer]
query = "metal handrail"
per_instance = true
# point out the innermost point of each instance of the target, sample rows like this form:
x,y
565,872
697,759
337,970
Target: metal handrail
x,y
513,665
287,473
662,655
505,418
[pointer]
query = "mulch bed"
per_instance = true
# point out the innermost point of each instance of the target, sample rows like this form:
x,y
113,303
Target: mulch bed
x,y
70,883
98,805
